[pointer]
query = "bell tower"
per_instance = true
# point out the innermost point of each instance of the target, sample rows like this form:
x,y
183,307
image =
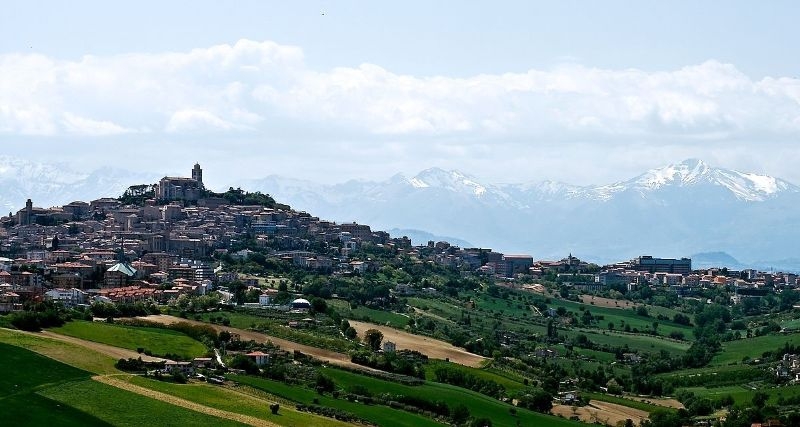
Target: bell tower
x,y
197,174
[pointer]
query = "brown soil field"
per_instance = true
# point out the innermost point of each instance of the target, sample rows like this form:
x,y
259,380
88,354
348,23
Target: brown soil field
x,y
172,400
667,403
429,346
318,353
607,302
602,412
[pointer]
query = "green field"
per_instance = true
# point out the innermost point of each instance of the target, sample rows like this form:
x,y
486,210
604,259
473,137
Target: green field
x,y
123,408
478,404
36,390
158,341
510,381
646,343
743,395
67,353
367,314
735,351
236,402
380,415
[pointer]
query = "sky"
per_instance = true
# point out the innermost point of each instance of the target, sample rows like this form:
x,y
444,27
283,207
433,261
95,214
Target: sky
x,y
585,92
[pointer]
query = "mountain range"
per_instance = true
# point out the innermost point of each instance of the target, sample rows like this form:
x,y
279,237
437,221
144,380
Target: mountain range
x,y
677,210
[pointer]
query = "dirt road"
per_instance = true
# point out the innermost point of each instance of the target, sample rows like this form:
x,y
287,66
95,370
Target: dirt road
x,y
177,401
431,347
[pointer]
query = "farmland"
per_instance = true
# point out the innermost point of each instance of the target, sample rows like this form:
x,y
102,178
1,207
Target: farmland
x,y
37,390
159,342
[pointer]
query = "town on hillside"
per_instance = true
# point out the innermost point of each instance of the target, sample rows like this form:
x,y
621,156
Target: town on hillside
x,y
274,294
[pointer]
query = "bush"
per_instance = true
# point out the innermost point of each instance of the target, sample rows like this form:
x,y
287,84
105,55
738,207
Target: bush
x,y
274,408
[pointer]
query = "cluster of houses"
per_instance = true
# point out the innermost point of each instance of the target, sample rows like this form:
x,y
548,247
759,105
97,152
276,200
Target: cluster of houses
x,y
106,250
788,368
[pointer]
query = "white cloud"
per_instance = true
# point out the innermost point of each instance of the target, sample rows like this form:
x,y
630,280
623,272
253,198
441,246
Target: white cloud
x,y
83,126
195,121
252,87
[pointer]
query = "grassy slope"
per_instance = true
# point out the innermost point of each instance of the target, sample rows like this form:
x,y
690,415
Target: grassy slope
x,y
232,401
734,351
36,390
478,404
379,415
67,353
123,408
744,396
158,341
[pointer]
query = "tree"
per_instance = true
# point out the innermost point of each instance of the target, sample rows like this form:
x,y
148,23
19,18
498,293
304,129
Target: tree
x,y
373,338
318,305
460,414
613,387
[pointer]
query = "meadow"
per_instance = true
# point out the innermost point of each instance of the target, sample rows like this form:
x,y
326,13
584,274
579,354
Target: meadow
x,y
159,342
380,415
237,402
37,390
478,404
753,348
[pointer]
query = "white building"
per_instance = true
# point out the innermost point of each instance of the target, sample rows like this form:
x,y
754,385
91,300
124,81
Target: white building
x,y
68,297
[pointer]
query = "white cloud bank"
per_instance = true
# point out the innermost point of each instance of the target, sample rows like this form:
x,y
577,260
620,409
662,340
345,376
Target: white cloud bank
x,y
254,87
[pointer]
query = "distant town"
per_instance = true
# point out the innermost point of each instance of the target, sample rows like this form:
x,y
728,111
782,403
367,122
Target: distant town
x,y
110,251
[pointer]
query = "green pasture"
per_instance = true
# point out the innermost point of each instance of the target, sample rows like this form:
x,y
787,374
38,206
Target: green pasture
x,y
122,408
156,340
735,351
478,404
380,415
237,402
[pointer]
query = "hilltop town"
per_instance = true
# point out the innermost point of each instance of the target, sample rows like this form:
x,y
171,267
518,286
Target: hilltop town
x,y
562,337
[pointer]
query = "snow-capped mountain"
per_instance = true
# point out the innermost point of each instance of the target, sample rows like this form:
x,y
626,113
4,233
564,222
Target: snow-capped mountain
x,y
676,210
54,184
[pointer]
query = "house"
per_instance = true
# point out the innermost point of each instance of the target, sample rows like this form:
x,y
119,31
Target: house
x,y
203,362
545,353
267,297
259,357
67,297
389,347
185,368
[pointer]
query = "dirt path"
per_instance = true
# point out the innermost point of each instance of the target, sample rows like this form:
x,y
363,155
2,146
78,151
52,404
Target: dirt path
x,y
602,412
429,346
319,353
172,400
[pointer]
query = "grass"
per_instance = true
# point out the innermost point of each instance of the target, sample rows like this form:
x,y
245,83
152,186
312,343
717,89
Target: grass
x,y
158,341
35,410
379,415
646,343
123,408
735,351
503,378
478,404
68,353
23,373
743,395
237,402
37,390
27,372
367,314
